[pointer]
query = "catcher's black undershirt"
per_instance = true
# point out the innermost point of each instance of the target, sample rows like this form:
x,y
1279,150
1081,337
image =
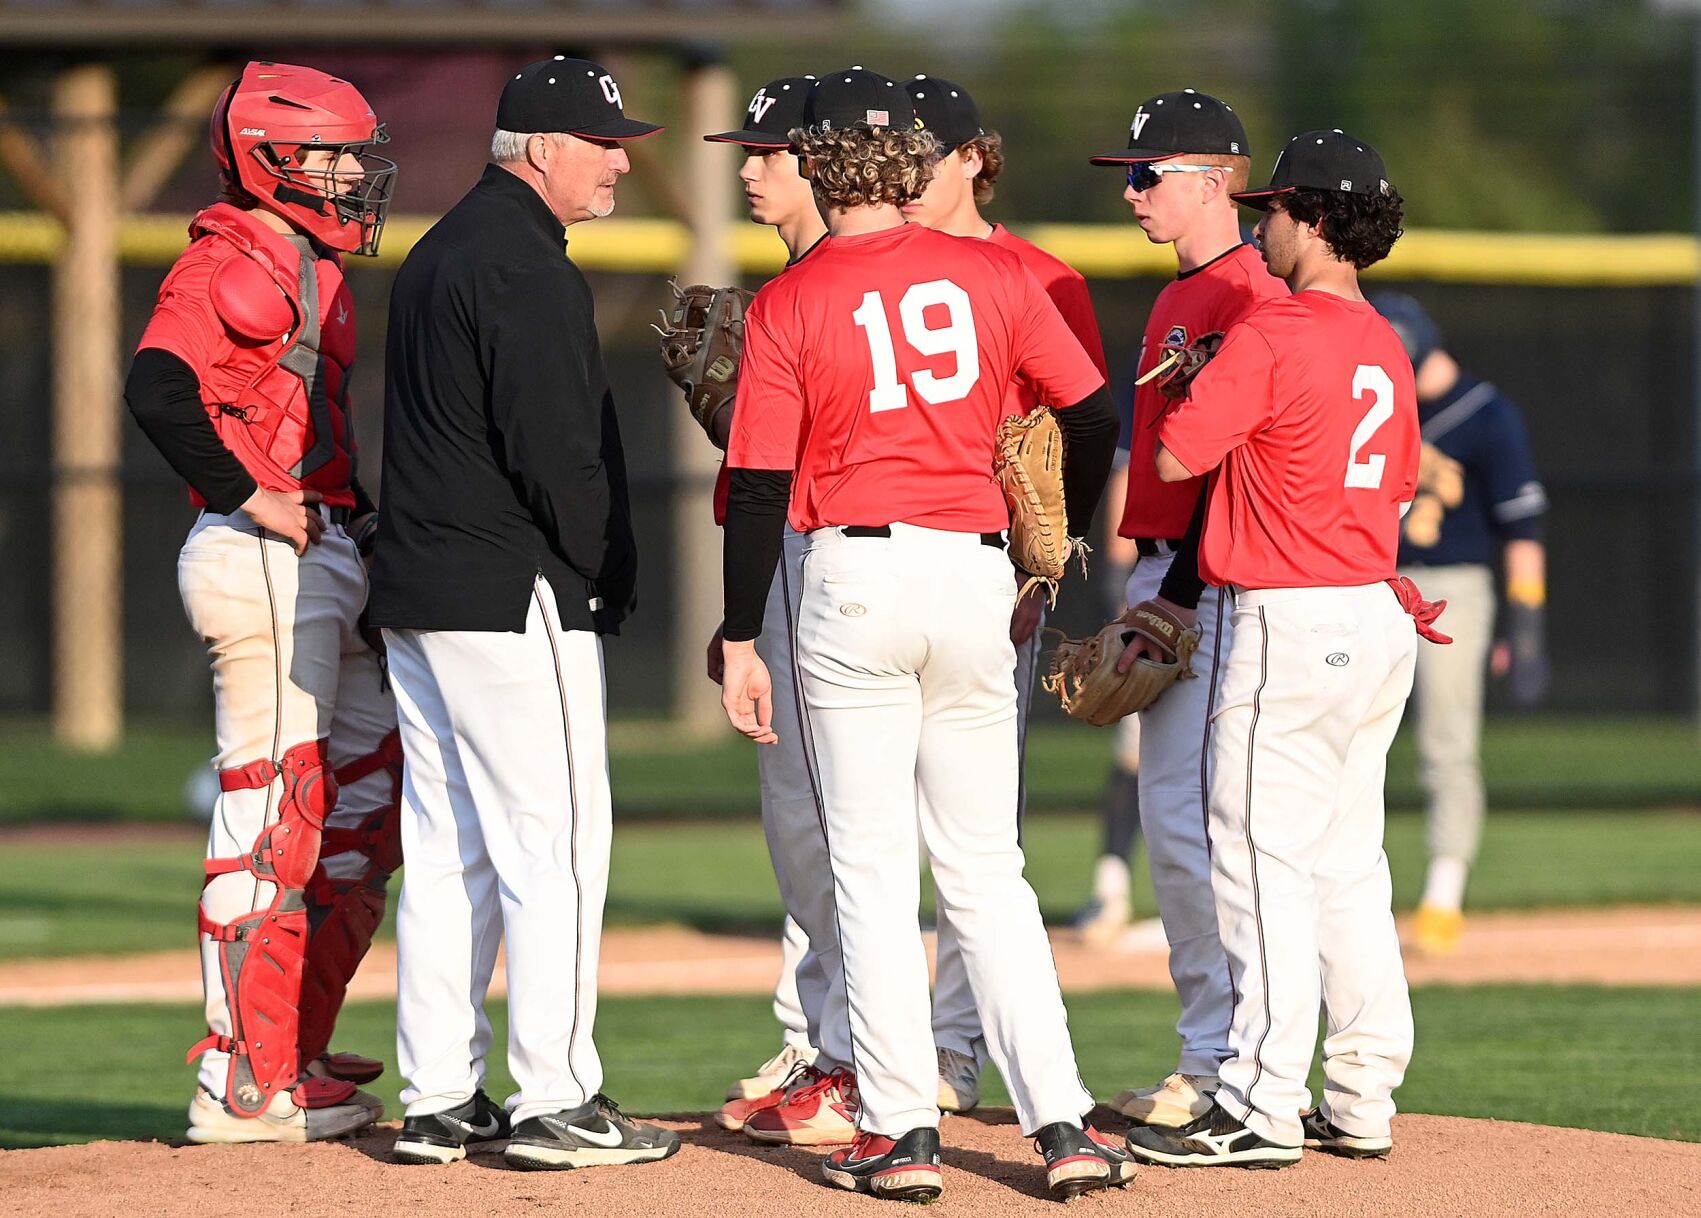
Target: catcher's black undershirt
x,y
757,499
164,395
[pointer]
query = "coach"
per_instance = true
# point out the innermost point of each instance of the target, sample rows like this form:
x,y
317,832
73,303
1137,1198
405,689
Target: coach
x,y
509,554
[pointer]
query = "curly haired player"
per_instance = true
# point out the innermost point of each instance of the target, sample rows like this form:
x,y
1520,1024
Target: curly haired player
x,y
241,381
874,379
1307,422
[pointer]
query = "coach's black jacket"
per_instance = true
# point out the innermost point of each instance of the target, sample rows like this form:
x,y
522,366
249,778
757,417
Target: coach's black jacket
x,y
502,455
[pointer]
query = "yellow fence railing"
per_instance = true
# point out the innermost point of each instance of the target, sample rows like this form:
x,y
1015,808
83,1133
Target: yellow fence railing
x,y
1099,251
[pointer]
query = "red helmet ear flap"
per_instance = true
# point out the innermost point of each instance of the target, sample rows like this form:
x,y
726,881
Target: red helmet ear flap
x,y
250,302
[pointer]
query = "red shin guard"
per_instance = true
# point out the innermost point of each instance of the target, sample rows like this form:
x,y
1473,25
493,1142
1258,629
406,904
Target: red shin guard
x,y
344,914
261,954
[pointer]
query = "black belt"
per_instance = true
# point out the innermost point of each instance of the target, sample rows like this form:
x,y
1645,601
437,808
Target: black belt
x,y
1157,547
996,540
340,516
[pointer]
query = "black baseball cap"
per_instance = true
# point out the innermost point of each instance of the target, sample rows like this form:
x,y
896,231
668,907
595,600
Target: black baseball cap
x,y
772,113
856,97
1322,160
1187,123
945,109
574,96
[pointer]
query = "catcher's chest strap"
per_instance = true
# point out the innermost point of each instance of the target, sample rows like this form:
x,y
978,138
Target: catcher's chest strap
x,y
995,540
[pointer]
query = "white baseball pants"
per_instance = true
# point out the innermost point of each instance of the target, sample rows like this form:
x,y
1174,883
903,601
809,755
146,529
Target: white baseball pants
x,y
1310,697
506,826
1170,748
289,667
904,648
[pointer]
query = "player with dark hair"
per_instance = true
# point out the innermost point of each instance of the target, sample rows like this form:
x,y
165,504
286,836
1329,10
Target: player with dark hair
x,y
241,381
873,383
1306,420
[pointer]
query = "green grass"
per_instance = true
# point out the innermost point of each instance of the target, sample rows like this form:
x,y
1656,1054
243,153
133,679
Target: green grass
x,y
61,898
1544,763
1621,1060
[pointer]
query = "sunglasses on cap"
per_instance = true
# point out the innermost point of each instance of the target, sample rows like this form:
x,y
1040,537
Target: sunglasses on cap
x,y
1143,175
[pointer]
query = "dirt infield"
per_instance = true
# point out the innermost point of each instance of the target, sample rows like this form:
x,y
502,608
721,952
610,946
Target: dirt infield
x,y
1440,1166
1594,947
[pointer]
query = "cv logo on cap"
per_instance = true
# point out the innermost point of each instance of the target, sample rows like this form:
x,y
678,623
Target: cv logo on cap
x,y
1141,118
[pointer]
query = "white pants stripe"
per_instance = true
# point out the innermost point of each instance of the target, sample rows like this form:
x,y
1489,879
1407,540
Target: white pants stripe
x,y
904,647
506,828
1309,699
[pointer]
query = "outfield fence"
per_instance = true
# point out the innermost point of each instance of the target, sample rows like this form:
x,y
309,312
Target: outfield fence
x,y
1591,335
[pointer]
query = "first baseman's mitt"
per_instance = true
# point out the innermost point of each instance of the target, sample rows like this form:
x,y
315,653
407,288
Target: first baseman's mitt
x,y
1028,463
702,341
1083,671
1182,362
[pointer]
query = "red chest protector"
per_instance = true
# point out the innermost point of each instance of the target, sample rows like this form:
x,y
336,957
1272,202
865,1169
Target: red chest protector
x,y
277,391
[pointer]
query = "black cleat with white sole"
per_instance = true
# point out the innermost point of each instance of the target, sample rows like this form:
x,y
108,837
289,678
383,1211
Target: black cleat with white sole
x,y
596,1134
1216,1139
443,1137
898,1169
1079,1159
1323,1134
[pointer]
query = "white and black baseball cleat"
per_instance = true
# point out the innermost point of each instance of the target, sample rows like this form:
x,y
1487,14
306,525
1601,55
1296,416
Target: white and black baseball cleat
x,y
596,1134
1079,1159
905,1169
1322,1134
1214,1140
444,1137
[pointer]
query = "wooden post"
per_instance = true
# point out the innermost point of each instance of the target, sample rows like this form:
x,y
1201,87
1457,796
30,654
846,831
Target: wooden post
x,y
87,537
711,103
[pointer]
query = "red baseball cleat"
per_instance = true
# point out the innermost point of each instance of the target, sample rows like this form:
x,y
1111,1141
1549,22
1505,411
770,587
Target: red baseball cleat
x,y
819,1113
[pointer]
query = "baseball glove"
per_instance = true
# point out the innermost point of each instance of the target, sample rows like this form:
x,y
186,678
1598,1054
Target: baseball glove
x,y
702,341
1028,463
1182,362
1083,672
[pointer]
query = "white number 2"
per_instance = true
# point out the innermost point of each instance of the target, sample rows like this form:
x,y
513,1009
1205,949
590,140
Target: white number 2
x,y
1371,380
956,337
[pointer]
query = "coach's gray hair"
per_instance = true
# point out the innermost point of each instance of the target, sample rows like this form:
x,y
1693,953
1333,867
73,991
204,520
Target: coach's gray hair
x,y
507,146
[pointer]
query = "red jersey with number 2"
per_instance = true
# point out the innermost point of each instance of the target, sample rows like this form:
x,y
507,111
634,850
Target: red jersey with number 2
x,y
1310,410
878,369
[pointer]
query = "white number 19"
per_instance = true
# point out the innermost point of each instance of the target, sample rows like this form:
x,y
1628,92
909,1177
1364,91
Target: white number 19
x,y
956,337
1369,380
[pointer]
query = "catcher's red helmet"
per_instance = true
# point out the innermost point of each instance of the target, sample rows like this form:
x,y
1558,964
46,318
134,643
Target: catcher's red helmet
x,y
272,113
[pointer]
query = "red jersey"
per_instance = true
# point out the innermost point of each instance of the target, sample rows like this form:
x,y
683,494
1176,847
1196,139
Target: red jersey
x,y
276,391
1068,291
877,370
1208,298
1310,409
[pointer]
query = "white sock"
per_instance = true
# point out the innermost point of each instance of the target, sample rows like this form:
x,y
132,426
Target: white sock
x,y
1444,887
1110,879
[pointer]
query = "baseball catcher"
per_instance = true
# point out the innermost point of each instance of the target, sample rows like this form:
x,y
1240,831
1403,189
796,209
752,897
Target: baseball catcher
x,y
1094,686
241,381
702,341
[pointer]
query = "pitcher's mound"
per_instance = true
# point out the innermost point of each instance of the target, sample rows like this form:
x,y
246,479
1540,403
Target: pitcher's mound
x,y
1440,1166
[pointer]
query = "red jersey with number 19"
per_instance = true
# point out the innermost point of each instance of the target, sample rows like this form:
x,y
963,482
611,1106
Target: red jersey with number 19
x,y
877,370
1309,408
